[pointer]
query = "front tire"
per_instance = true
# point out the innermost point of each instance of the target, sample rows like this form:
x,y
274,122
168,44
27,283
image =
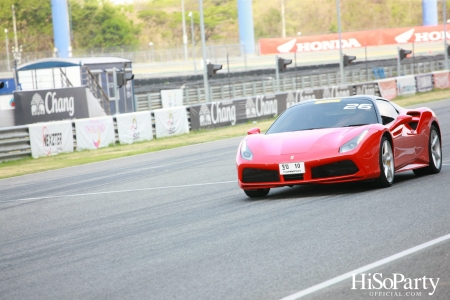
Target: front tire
x,y
386,158
257,193
435,155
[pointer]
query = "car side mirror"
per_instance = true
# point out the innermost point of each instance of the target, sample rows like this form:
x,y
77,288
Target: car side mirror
x,y
402,119
254,131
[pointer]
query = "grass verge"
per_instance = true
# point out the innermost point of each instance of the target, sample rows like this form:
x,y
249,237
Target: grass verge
x,y
30,165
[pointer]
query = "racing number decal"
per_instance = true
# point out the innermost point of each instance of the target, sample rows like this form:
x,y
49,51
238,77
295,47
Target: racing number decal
x,y
359,106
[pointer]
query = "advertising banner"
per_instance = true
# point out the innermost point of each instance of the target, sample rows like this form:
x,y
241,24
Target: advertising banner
x,y
225,113
134,127
406,85
172,98
337,91
94,133
388,88
357,39
50,105
441,80
171,121
424,83
368,88
302,95
51,138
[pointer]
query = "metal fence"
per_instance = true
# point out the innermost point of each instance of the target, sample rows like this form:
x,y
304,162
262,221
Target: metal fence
x,y
221,90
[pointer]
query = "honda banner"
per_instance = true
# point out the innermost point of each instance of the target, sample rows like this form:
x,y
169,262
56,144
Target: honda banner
x,y
171,121
172,98
94,133
134,127
441,79
406,85
388,88
424,83
51,138
353,39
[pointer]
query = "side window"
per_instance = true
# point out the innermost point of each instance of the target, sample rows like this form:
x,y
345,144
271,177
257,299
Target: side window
x,y
387,111
110,83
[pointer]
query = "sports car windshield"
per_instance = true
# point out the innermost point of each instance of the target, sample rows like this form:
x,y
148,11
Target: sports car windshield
x,y
328,113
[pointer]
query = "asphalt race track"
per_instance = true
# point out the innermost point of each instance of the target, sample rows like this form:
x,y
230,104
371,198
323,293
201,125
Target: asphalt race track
x,y
175,225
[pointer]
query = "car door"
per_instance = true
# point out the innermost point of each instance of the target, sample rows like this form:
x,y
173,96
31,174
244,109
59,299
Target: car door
x,y
404,137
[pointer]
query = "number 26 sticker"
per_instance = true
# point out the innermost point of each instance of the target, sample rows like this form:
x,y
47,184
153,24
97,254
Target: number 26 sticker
x,y
358,106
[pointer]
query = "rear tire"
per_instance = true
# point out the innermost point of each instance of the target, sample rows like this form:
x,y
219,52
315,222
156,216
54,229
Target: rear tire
x,y
386,158
435,154
257,193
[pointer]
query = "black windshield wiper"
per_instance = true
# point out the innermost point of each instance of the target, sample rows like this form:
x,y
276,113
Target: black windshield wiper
x,y
352,125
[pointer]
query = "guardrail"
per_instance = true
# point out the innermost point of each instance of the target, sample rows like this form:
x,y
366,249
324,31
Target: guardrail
x,y
14,143
222,90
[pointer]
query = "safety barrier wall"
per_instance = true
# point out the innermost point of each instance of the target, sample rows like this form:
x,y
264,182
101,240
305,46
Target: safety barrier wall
x,y
15,141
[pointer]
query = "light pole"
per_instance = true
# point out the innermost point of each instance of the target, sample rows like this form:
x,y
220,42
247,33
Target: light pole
x,y
193,39
341,64
16,55
283,20
184,31
7,49
444,18
202,36
151,51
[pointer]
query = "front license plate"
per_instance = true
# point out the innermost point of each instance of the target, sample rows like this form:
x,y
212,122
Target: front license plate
x,y
292,168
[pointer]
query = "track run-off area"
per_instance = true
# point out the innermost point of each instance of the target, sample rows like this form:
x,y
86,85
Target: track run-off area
x,y
175,225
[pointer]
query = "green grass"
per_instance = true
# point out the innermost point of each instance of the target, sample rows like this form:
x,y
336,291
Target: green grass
x,y
30,165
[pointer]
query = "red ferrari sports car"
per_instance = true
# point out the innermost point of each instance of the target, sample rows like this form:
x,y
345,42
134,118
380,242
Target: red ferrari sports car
x,y
339,140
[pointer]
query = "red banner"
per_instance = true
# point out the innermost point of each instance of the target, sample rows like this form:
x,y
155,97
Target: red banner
x,y
388,88
441,80
353,39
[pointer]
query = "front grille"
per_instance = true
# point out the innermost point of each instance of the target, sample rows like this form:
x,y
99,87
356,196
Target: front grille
x,y
345,167
259,175
293,177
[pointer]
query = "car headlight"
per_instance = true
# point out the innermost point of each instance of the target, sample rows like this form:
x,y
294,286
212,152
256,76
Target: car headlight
x,y
246,153
354,142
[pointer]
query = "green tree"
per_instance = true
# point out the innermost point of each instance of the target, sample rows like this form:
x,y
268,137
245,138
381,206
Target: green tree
x,y
98,24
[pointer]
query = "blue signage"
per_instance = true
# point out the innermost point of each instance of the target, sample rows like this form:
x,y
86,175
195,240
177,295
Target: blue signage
x,y
9,87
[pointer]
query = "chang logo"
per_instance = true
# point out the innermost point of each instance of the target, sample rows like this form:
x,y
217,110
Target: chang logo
x,y
134,129
290,100
204,115
37,105
250,109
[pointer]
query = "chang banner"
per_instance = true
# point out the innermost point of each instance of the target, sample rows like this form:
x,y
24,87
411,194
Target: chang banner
x,y
337,91
171,98
441,80
225,113
302,95
388,88
406,85
424,83
50,105
134,127
51,138
171,121
94,133
366,89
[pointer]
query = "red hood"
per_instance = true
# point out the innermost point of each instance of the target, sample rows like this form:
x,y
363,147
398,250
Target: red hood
x,y
301,141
